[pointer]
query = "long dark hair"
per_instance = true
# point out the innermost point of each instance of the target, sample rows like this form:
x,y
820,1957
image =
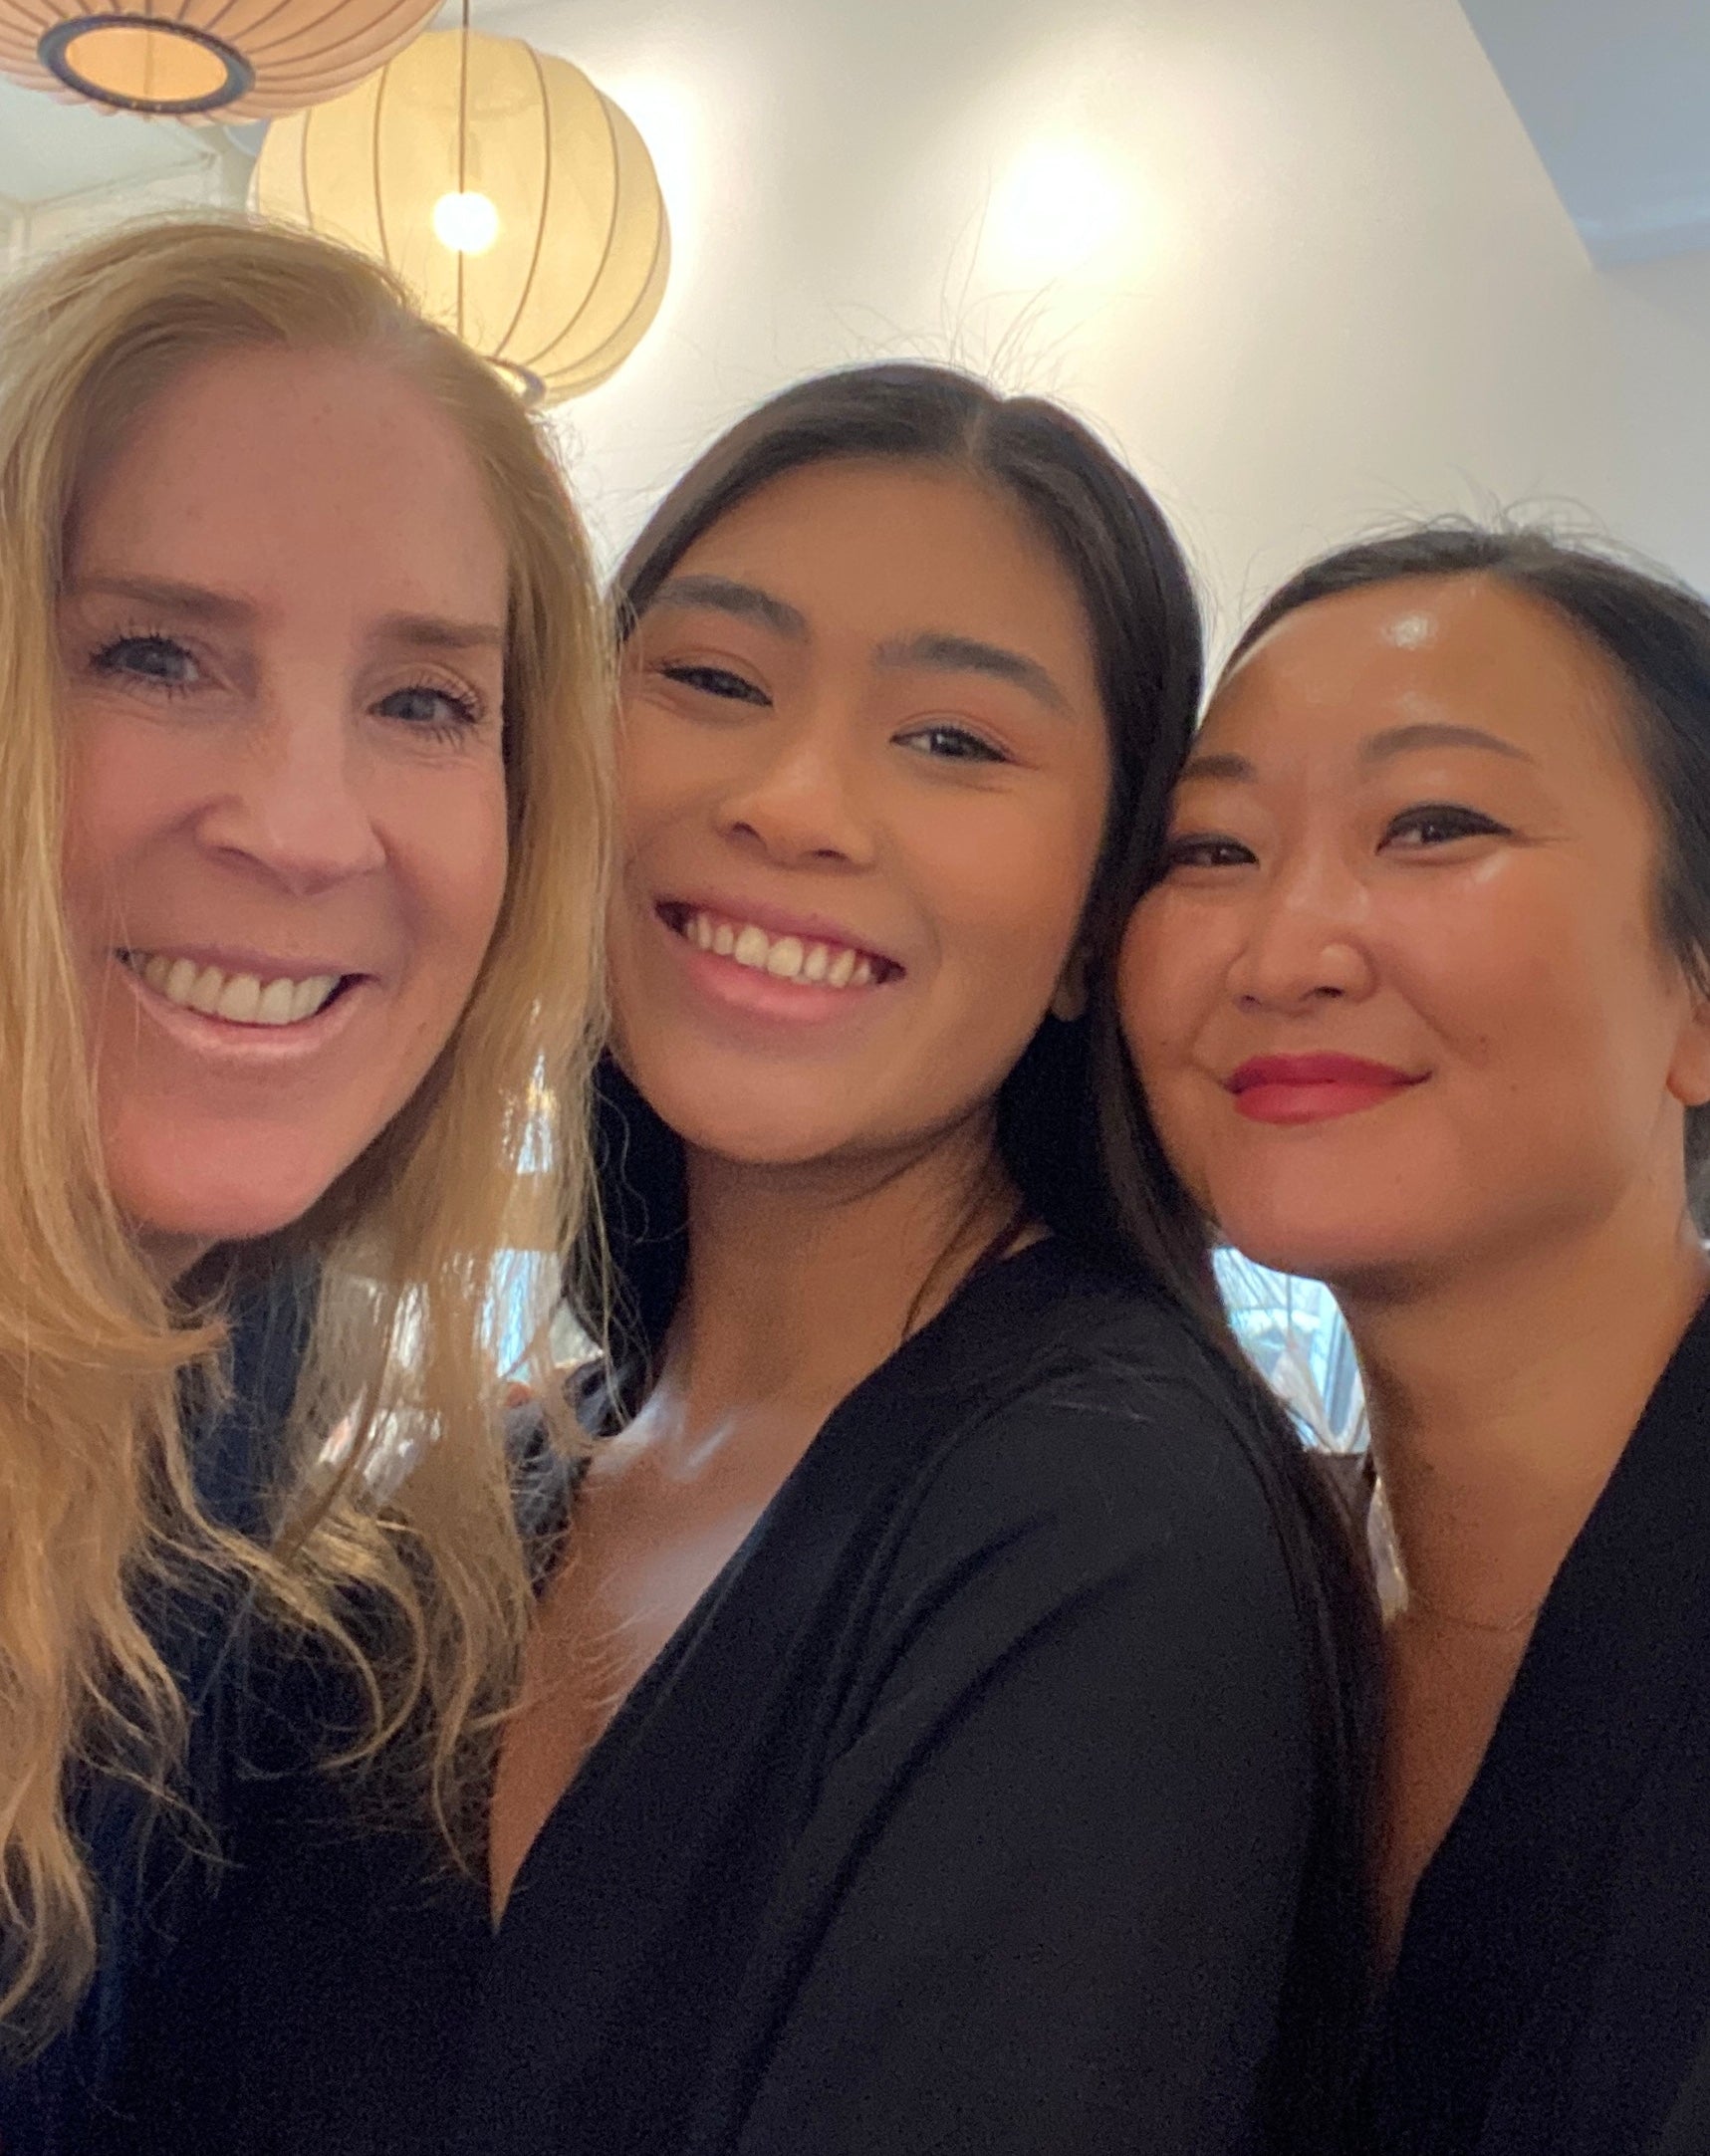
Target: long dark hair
x,y
1111,538
1070,1129
1654,631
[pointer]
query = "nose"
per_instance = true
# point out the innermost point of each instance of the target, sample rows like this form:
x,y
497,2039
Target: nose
x,y
1305,942
798,800
296,802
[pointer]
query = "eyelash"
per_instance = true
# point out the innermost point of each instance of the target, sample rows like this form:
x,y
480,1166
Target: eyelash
x,y
1462,822
105,660
723,683
984,751
717,681
1451,820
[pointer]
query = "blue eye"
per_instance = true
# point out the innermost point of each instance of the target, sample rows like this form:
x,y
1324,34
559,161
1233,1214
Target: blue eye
x,y
160,661
422,705
953,744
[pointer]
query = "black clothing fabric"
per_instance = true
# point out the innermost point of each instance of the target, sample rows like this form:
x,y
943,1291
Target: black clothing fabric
x,y
139,1864
1553,1994
965,1813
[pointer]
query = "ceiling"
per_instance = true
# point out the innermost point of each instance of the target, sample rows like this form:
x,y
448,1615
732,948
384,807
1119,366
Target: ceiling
x,y
1310,263
1615,93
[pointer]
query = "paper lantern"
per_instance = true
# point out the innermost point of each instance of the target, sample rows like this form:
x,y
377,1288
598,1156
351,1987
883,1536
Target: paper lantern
x,y
518,204
204,59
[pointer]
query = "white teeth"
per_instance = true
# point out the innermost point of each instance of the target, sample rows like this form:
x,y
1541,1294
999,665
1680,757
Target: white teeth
x,y
241,998
273,1005
309,995
785,958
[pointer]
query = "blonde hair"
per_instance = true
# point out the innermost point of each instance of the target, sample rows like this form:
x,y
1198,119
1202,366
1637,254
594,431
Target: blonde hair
x,y
99,1514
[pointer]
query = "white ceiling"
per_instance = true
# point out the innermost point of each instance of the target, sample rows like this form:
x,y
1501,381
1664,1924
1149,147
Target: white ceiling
x,y
1616,96
48,149
1299,258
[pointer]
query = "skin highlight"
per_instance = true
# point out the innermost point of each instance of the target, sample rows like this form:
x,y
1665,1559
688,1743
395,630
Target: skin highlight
x,y
1415,832
864,700
280,640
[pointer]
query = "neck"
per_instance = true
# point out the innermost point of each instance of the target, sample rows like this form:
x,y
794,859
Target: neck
x,y
1501,1399
803,1281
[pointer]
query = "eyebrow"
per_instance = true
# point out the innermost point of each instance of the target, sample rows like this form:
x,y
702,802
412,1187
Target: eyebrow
x,y
726,594
195,603
1434,734
941,652
192,601
1374,749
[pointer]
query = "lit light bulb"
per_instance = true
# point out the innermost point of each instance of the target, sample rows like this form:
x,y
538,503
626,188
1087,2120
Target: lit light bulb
x,y
466,223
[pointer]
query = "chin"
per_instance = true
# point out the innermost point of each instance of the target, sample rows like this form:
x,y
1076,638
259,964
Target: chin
x,y
209,1207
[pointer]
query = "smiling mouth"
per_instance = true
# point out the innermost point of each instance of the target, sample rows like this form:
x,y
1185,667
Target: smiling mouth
x,y
805,961
241,998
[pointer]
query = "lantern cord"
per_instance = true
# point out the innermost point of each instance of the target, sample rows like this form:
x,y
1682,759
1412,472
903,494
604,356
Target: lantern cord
x,y
462,142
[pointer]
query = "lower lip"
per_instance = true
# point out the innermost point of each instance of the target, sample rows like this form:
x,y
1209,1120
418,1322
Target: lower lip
x,y
746,992
1314,1103
226,1042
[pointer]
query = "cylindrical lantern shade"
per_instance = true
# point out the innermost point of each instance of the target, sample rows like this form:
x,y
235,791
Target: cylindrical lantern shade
x,y
519,204
203,59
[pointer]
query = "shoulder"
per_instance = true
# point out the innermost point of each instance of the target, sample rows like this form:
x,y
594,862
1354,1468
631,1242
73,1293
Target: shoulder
x,y
1110,1439
1106,1397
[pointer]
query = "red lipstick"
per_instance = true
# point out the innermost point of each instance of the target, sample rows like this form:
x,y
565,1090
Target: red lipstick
x,y
1311,1089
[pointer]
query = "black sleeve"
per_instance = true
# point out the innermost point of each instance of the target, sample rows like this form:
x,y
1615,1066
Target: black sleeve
x,y
1044,1902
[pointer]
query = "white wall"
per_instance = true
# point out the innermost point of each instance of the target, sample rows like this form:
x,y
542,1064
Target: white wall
x,y
1325,276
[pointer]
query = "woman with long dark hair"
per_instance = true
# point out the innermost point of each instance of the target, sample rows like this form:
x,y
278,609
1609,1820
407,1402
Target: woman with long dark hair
x,y
1423,1004
942,1727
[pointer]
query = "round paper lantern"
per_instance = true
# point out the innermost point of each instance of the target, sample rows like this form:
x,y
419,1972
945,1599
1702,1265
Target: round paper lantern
x,y
203,59
519,204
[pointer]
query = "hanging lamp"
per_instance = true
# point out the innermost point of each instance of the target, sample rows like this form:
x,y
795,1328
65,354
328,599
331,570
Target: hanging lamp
x,y
518,203
199,60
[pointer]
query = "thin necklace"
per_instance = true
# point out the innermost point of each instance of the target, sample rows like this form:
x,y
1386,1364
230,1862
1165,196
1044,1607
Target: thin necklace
x,y
1396,1593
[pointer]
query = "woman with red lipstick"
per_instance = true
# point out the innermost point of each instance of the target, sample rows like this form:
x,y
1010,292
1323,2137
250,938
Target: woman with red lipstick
x,y
1421,1001
302,786
941,1732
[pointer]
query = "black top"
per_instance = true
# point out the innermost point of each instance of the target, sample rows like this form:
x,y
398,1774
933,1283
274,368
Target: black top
x,y
1553,1996
964,1813
138,1863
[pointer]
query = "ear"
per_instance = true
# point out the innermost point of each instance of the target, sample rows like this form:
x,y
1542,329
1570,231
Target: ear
x,y
1689,1070
1069,999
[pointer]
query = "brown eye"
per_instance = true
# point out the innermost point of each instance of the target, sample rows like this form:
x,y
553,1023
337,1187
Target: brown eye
x,y
1207,851
953,744
717,681
1438,823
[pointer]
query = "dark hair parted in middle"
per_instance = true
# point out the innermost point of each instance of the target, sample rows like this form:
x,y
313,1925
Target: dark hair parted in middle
x,y
1070,1127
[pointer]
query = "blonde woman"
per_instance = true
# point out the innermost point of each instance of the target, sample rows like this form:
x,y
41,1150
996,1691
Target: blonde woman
x,y
303,814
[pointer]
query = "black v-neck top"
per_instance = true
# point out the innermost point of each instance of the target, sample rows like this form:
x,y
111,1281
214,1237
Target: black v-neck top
x,y
965,1813
1553,1994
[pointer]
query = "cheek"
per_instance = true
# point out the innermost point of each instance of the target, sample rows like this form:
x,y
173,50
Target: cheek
x,y
1166,967
460,857
121,793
